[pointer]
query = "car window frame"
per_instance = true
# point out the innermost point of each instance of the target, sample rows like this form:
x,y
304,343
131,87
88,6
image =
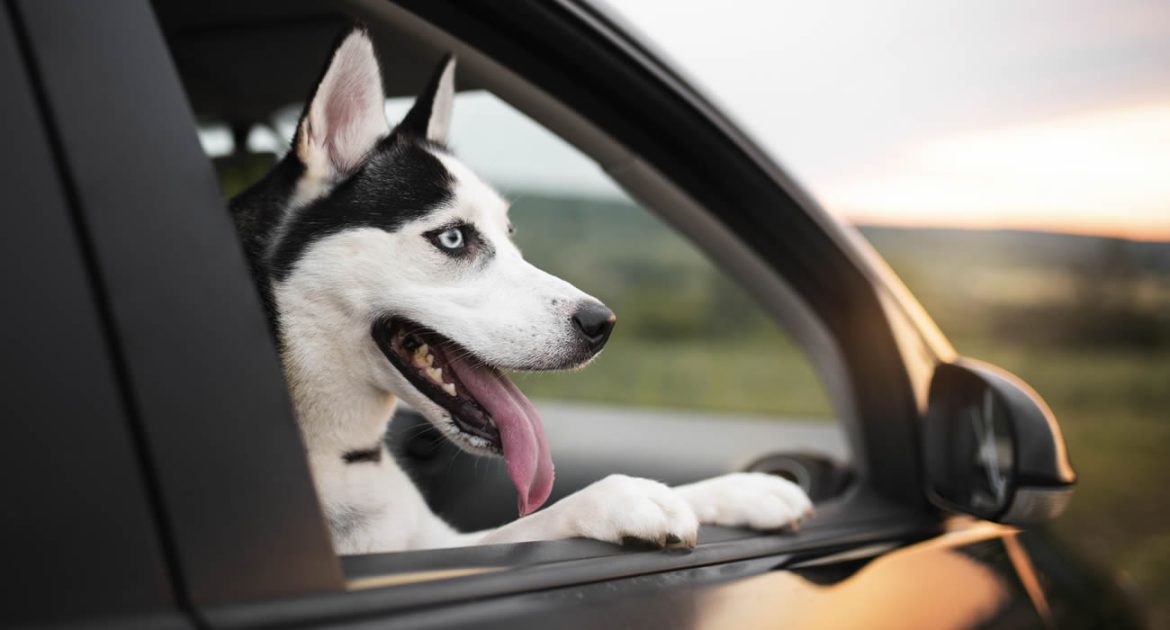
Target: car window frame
x,y
202,375
80,513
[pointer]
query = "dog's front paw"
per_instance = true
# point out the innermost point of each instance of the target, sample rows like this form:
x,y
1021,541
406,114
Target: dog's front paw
x,y
756,500
621,509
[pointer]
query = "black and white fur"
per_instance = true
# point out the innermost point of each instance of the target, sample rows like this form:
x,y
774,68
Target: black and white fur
x,y
341,234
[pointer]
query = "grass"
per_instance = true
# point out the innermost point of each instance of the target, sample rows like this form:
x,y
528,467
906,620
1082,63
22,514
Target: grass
x,y
767,377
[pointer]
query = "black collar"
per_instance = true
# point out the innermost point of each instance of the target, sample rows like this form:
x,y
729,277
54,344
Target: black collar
x,y
373,455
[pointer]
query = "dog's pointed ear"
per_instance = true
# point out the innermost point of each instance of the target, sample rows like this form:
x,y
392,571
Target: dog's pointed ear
x,y
347,114
430,117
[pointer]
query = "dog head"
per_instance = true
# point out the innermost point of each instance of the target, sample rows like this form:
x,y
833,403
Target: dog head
x,y
399,257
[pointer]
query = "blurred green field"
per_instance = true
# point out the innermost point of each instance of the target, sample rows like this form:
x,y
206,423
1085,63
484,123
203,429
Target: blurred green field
x,y
767,378
687,337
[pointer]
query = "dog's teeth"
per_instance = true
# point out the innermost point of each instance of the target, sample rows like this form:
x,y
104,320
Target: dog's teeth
x,y
449,388
436,374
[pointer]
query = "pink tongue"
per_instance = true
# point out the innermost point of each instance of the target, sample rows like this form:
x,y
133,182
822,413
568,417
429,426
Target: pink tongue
x,y
525,449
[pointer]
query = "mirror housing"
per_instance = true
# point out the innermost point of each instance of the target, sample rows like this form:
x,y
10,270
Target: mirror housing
x,y
993,448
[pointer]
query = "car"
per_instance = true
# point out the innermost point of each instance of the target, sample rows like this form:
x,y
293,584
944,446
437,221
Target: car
x,y
152,471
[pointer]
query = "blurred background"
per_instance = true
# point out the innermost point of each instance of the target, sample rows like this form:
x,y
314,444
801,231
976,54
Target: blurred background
x,y
1010,160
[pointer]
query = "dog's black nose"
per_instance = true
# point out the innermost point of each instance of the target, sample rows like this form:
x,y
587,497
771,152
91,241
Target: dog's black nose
x,y
595,321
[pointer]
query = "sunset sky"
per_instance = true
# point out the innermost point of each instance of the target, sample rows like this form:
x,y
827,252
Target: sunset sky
x,y
1045,114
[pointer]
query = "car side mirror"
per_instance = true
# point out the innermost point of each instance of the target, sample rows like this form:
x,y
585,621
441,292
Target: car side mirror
x,y
992,447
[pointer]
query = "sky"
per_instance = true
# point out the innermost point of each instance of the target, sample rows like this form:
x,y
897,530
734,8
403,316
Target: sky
x,y
1035,114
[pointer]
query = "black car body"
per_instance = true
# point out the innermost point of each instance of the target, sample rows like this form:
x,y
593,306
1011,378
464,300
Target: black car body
x,y
152,471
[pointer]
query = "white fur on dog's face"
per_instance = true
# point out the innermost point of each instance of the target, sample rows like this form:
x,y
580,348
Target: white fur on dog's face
x,y
495,304
357,248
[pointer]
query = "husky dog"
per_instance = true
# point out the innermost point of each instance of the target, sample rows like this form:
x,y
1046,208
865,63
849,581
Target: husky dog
x,y
388,272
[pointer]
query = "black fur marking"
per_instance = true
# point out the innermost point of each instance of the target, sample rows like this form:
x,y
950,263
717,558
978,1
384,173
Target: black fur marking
x,y
257,212
400,182
259,209
368,455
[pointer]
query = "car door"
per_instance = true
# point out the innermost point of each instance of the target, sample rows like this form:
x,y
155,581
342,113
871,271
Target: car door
x,y
215,442
80,532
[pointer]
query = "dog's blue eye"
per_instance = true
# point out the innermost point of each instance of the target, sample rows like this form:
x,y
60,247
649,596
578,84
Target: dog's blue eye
x,y
452,238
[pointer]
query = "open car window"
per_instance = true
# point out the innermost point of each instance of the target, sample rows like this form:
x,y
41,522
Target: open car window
x,y
694,355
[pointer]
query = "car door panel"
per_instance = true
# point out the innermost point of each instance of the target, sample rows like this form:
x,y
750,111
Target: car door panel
x,y
78,516
201,365
965,577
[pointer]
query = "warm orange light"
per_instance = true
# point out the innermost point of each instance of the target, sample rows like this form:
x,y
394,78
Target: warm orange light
x,y
1105,173
928,585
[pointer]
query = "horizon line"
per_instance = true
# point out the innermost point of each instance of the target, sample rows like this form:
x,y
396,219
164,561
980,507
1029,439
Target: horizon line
x,y
1134,235
1135,232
